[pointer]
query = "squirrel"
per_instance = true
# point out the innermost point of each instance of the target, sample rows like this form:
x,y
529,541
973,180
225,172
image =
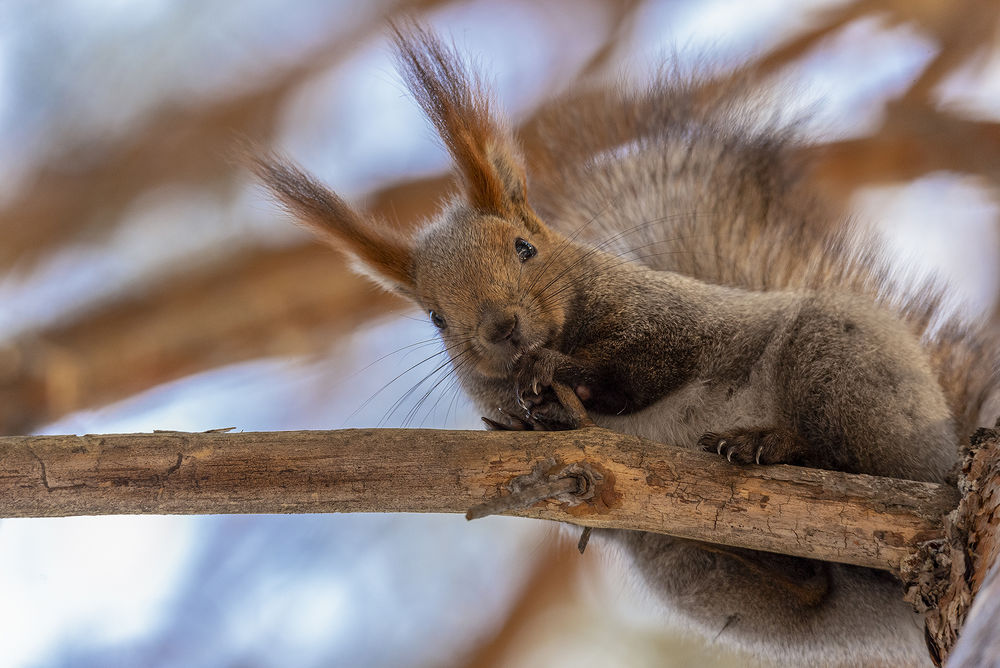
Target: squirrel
x,y
670,264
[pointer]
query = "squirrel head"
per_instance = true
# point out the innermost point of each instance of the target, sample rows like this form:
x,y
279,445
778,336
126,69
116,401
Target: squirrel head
x,y
487,271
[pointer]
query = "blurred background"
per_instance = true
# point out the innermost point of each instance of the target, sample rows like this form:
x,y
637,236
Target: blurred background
x,y
146,283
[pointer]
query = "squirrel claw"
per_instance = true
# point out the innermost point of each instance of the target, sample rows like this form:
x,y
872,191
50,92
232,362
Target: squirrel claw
x,y
541,412
755,446
510,422
535,372
492,425
519,397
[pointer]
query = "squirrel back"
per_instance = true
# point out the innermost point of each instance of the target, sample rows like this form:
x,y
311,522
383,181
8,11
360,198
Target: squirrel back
x,y
702,177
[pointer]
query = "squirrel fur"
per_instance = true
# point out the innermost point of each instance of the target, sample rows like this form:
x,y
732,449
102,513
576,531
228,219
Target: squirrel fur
x,y
670,264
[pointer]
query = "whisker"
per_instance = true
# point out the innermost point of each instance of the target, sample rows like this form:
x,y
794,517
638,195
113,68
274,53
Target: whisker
x,y
418,344
399,402
451,373
400,375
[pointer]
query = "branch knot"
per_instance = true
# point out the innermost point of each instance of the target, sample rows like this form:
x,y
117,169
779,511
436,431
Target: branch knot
x,y
571,484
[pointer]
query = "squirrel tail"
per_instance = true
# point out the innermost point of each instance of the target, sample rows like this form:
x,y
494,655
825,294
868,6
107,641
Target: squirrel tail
x,y
703,177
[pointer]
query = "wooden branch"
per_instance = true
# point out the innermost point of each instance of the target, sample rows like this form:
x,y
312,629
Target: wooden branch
x,y
625,482
914,140
948,575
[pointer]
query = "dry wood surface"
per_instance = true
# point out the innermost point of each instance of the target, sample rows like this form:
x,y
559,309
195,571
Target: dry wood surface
x,y
625,482
954,580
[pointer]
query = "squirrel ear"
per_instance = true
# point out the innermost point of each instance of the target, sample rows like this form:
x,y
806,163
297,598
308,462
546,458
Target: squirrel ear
x,y
378,251
454,99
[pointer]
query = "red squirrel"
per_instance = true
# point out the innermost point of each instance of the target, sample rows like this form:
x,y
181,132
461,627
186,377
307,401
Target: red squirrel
x,y
751,322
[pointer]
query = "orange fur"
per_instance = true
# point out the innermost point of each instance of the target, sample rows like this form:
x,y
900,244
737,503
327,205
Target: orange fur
x,y
380,251
483,148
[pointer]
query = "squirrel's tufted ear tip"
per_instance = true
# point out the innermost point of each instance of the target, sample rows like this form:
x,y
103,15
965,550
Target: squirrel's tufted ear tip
x,y
376,250
459,106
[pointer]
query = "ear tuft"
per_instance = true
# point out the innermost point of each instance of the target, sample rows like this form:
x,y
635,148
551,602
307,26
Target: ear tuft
x,y
458,105
378,251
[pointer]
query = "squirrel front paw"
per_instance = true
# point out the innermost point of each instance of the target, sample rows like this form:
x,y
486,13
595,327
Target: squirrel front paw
x,y
755,446
546,415
537,412
546,409
534,372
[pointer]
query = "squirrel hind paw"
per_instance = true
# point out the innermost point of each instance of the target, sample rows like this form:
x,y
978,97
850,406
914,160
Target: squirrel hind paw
x,y
754,446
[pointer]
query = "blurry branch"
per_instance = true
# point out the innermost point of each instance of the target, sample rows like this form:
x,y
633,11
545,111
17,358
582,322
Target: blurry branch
x,y
283,301
552,582
180,145
623,482
916,137
826,26
915,140
183,145
288,302
962,32
621,22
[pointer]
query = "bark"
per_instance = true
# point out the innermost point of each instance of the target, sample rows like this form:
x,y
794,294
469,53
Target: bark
x,y
948,575
624,482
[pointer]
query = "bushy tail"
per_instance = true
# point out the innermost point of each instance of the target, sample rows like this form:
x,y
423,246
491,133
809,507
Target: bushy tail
x,y
705,179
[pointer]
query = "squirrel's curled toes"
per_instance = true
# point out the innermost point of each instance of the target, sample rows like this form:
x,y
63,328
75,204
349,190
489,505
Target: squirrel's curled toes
x,y
534,371
756,446
539,411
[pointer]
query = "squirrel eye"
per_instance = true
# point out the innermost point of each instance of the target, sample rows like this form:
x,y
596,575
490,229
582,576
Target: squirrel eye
x,y
524,249
438,321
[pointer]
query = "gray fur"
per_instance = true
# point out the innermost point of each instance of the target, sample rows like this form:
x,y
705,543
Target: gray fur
x,y
693,290
692,357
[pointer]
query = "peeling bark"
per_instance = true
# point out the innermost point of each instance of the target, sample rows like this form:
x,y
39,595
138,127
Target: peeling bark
x,y
948,575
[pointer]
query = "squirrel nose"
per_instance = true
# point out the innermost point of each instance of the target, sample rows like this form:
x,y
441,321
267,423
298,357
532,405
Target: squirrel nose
x,y
499,327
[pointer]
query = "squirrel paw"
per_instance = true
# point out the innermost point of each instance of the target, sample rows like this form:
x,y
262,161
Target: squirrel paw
x,y
551,414
754,446
539,412
535,372
530,421
507,422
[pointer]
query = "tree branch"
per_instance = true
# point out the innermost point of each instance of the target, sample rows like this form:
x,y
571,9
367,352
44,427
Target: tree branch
x,y
947,576
630,483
